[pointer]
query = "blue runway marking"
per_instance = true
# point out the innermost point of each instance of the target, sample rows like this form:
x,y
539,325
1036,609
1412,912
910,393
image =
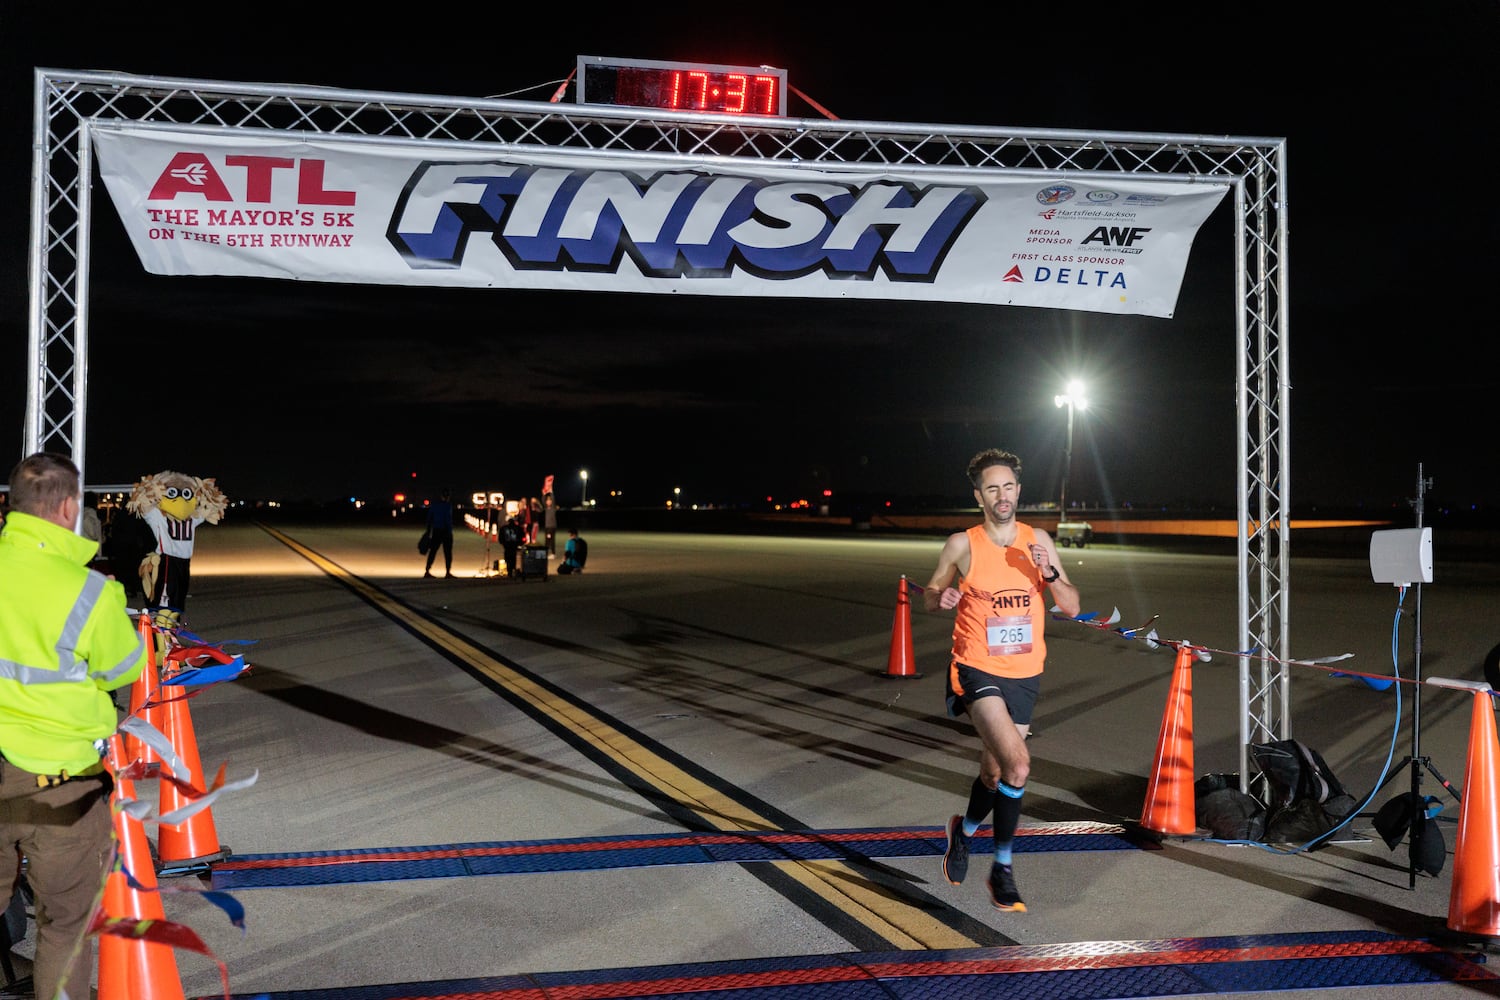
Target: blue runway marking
x,y
1096,970
256,871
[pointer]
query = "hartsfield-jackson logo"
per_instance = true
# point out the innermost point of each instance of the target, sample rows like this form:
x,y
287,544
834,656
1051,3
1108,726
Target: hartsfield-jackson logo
x,y
677,224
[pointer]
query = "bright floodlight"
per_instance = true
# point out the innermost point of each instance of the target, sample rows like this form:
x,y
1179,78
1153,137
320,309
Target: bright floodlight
x,y
584,475
1073,399
1073,396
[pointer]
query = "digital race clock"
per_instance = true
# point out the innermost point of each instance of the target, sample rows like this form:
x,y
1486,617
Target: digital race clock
x,y
678,86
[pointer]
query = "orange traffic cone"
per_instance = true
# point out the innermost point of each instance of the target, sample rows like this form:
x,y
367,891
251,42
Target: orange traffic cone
x,y
1474,899
133,969
194,841
142,692
1169,796
902,659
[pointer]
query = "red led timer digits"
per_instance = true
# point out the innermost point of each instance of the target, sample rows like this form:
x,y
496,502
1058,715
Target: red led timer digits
x,y
697,90
734,93
682,86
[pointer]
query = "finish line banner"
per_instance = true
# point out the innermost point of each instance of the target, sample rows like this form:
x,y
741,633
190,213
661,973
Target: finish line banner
x,y
365,212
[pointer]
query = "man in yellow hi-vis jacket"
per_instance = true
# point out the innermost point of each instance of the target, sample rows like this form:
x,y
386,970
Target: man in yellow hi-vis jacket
x,y
66,642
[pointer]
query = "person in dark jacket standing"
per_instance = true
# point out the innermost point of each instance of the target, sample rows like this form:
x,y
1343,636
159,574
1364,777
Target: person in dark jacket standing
x,y
440,528
66,643
549,523
510,542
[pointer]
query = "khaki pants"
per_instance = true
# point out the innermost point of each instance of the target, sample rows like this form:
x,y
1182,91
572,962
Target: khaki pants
x,y
66,834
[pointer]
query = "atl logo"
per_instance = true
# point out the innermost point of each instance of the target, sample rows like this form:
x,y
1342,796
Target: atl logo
x,y
193,173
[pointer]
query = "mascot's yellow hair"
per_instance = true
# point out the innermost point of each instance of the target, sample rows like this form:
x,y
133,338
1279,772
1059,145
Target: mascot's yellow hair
x,y
151,490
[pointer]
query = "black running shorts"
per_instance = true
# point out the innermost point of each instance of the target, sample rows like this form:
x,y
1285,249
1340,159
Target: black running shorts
x,y
1020,693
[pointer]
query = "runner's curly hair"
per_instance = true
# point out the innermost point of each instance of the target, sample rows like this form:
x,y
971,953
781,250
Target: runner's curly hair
x,y
991,457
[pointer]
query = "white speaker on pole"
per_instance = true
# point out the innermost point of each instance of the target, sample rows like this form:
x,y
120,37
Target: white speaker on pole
x,y
1402,557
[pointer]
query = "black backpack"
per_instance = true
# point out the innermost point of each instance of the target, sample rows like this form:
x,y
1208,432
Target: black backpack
x,y
1304,799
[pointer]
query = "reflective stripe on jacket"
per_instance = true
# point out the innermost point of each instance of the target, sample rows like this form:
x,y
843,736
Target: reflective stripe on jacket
x,y
65,643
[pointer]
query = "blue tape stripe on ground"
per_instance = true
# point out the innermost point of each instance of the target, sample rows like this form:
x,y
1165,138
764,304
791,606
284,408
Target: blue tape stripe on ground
x,y
349,874
783,968
577,861
1333,971
1141,969
859,989
257,871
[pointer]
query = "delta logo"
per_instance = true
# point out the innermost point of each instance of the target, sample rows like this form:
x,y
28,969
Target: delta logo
x,y
1075,276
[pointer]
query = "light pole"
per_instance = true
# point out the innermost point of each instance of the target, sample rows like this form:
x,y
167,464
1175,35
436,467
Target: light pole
x,y
1073,399
584,475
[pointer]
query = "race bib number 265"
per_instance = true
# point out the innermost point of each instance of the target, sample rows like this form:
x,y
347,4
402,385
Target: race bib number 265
x,y
1008,636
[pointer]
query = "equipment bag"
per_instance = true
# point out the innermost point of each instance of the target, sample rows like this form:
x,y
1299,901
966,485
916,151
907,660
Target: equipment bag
x,y
1304,798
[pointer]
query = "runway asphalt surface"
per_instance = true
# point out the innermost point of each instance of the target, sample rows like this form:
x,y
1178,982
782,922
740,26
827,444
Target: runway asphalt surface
x,y
694,685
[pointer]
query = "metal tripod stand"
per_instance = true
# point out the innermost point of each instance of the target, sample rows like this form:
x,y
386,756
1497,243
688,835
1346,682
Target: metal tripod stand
x,y
490,568
1415,760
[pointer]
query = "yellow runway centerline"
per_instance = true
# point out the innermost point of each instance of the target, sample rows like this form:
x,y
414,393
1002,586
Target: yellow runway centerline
x,y
903,925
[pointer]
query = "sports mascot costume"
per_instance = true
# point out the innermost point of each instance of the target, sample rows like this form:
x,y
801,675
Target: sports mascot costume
x,y
172,505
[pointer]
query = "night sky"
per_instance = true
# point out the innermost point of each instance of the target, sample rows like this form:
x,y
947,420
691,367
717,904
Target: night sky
x,y
319,391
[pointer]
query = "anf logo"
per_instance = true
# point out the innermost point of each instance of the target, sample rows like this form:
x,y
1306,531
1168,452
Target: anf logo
x,y
1116,236
192,173
1014,275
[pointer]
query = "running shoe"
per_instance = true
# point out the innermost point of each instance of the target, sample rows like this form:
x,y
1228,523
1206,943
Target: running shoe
x,y
956,855
1003,891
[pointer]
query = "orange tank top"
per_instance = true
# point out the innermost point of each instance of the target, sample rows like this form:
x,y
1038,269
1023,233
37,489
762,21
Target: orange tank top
x,y
1001,617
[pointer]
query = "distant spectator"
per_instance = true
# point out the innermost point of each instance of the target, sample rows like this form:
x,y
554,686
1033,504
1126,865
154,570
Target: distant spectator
x,y
534,522
524,520
90,526
510,541
549,523
575,553
88,518
440,530
127,542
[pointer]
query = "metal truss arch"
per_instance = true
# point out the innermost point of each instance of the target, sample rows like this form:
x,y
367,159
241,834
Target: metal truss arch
x,y
65,102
